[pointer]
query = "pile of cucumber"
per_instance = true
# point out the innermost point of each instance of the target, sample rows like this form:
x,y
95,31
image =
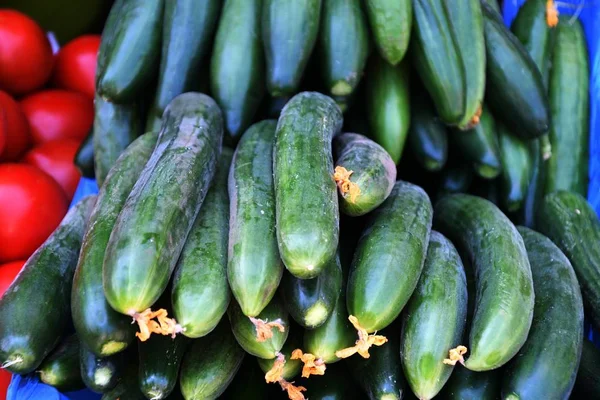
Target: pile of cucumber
x,y
270,236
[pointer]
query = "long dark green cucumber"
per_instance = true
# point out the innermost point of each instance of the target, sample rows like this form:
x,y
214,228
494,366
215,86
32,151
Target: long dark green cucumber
x,y
334,385
516,168
515,88
465,384
504,301
245,331
292,367
427,137
569,106
494,4
249,383
440,300
100,374
187,32
388,104
130,49
389,258
587,384
61,368
115,127
103,330
569,220
210,364
455,178
254,267
289,33
35,309
150,231
84,158
127,388
547,364
391,23
343,45
535,190
237,65
373,170
305,193
200,292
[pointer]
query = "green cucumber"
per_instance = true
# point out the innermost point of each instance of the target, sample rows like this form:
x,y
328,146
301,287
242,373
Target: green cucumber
x,y
373,170
504,302
465,384
187,32
391,22
535,190
61,368
570,221
292,367
587,384
127,388
335,385
35,309
100,374
515,87
547,364
210,364
389,257
343,45
289,33
237,65
434,319
569,106
84,158
115,127
103,330
254,267
427,137
200,292
129,50
388,104
516,169
149,235
305,194
249,383
455,178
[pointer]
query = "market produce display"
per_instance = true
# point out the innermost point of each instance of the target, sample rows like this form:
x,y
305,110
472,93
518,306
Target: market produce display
x,y
315,199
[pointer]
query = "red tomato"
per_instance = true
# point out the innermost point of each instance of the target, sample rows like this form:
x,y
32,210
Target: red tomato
x,y
18,139
32,205
3,130
58,114
8,273
25,54
75,67
5,378
56,159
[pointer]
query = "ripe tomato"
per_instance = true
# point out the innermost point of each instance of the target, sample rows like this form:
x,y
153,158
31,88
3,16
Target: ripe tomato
x,y
16,129
8,273
75,67
25,54
56,159
32,205
58,114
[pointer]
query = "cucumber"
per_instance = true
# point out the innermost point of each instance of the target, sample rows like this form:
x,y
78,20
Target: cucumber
x,y
292,367
200,292
465,384
587,384
210,364
115,127
99,327
388,104
391,22
187,32
129,50
547,364
373,171
569,106
335,385
305,194
515,87
516,169
35,309
389,257
289,33
149,235
100,374
427,137
494,4
455,178
61,368
84,158
254,267
127,388
237,65
535,190
504,301
440,300
249,383
343,45
569,220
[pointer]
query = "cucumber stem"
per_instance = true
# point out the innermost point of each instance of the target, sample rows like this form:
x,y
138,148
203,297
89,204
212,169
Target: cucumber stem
x,y
264,329
312,364
456,355
164,326
342,179
364,342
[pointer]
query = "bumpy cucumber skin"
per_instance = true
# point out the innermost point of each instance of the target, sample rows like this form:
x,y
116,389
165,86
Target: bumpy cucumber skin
x,y
505,297
61,368
306,199
391,23
389,257
130,49
465,384
35,308
292,367
100,374
289,33
254,267
587,385
547,364
84,158
373,170
440,300
572,224
516,169
237,65
427,138
149,234
200,293
388,105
